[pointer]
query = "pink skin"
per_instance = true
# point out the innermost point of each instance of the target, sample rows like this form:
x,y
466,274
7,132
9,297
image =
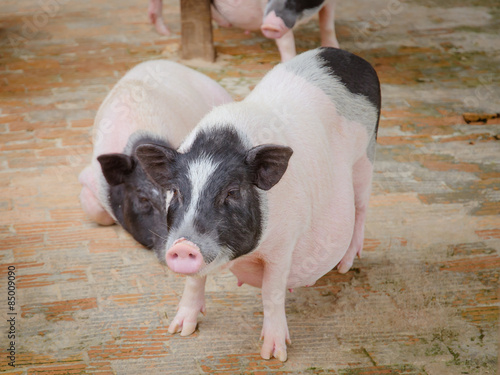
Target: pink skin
x,y
294,254
219,18
273,26
191,304
184,257
327,25
284,260
362,177
90,202
155,17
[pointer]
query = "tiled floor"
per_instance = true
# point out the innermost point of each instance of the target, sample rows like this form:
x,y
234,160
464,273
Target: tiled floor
x,y
422,300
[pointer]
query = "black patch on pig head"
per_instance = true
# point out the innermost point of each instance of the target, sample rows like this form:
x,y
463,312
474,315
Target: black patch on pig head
x,y
215,189
290,11
137,202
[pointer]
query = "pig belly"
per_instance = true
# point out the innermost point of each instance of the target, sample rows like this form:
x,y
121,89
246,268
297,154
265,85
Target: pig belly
x,y
248,269
243,14
318,250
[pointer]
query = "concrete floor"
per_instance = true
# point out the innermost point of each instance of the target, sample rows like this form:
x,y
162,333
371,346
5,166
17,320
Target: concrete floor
x,y
422,300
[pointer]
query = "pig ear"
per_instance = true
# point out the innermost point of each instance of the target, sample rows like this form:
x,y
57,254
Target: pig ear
x,y
157,161
116,167
268,163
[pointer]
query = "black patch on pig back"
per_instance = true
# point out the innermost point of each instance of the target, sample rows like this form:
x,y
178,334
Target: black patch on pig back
x,y
355,73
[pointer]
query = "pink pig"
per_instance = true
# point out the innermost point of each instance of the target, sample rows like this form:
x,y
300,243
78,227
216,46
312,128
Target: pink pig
x,y
236,195
157,101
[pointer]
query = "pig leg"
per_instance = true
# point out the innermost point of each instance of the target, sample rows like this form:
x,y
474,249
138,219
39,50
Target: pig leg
x,y
362,178
154,12
286,46
327,25
192,302
275,329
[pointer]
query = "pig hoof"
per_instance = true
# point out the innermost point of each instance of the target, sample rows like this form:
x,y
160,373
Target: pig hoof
x,y
275,345
185,328
185,321
161,28
278,352
343,267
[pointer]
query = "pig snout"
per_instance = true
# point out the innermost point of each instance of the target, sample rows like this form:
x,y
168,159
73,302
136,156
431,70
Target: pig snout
x,y
273,26
184,257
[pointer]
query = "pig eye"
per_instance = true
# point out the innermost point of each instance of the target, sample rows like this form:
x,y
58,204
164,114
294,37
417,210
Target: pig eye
x,y
144,205
175,193
233,194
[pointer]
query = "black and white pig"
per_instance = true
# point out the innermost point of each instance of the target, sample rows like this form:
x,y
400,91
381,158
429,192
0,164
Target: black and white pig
x,y
236,195
275,18
155,102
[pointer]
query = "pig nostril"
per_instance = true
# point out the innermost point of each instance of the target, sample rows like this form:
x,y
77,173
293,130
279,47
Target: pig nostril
x,y
175,255
192,256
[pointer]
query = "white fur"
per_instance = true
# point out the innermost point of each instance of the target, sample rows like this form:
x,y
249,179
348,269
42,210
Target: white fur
x,y
199,173
168,198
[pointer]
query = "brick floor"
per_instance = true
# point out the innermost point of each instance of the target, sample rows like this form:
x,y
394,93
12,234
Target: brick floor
x,y
422,300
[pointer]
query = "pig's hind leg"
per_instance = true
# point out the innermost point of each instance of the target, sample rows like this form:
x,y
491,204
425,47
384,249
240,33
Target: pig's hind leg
x,y
362,178
327,25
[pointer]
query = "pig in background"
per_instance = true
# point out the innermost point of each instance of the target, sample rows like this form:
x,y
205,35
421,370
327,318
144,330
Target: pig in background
x,y
275,187
155,102
275,18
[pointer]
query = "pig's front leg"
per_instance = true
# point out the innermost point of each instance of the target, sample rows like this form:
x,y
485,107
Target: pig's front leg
x,y
275,329
327,25
192,303
286,46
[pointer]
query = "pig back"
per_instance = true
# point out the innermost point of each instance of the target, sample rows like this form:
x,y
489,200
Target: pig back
x,y
157,99
330,123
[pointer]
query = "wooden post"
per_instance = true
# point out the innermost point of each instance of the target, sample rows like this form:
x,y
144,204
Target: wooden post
x,y
196,30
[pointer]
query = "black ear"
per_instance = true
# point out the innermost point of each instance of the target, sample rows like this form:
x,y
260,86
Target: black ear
x,y
116,167
157,161
268,163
